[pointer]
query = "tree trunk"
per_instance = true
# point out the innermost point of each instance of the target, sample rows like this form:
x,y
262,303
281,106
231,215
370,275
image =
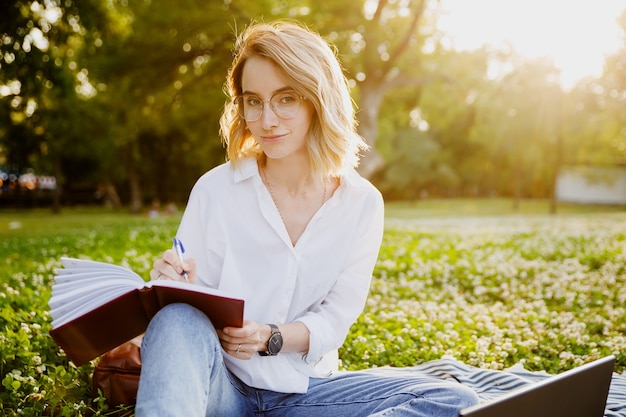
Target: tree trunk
x,y
135,191
111,197
378,82
56,192
558,158
517,185
372,93
557,165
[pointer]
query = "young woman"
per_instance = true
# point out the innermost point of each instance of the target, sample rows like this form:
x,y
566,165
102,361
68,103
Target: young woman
x,y
289,226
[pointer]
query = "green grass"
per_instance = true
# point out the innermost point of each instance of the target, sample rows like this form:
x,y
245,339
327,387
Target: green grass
x,y
435,208
470,279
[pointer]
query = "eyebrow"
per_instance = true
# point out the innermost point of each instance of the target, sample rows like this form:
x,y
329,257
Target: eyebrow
x,y
280,90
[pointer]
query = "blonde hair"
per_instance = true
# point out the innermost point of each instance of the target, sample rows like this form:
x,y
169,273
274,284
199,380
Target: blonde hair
x,y
311,65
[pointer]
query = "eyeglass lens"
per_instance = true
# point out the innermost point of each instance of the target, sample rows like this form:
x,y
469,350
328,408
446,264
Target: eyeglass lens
x,y
285,104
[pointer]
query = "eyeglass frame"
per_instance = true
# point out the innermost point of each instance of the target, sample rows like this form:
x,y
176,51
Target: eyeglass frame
x,y
239,103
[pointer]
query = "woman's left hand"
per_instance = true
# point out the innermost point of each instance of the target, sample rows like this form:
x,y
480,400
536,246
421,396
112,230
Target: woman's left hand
x,y
244,342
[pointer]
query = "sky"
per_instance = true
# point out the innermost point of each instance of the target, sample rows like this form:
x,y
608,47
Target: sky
x,y
576,34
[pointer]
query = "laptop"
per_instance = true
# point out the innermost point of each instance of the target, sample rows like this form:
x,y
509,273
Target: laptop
x,y
579,392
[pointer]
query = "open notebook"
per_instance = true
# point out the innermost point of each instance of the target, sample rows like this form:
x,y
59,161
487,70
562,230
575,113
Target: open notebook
x,y
579,392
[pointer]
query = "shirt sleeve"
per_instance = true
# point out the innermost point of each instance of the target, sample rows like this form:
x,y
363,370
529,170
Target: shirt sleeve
x,y
193,231
330,321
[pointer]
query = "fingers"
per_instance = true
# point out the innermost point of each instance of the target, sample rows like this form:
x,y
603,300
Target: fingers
x,y
238,350
249,330
241,343
170,267
191,267
162,269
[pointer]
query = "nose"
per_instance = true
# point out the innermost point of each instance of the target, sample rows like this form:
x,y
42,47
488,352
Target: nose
x,y
268,117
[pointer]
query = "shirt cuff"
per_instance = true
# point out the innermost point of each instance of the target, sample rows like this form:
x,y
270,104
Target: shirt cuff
x,y
322,338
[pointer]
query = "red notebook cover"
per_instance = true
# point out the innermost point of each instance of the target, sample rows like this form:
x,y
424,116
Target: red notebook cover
x,y
128,315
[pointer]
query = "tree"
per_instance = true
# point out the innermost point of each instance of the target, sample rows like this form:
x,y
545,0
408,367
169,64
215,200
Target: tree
x,y
381,47
613,85
518,122
426,131
449,108
156,70
161,76
40,79
128,95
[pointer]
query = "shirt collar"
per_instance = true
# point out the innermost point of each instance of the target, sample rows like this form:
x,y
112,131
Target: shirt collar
x,y
249,168
352,177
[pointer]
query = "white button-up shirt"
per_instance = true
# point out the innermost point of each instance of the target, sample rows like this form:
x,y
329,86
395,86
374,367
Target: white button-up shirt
x,y
234,231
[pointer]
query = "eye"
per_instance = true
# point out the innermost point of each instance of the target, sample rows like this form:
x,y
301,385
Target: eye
x,y
288,98
252,101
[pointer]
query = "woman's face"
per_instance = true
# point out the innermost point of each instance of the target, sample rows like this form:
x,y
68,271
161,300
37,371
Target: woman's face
x,y
278,137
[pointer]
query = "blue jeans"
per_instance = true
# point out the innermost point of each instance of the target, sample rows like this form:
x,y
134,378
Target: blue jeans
x,y
183,374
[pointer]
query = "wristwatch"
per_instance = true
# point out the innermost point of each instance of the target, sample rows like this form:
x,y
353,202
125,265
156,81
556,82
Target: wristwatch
x,y
275,342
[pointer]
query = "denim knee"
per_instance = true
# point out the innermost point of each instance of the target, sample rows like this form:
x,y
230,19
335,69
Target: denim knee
x,y
182,322
465,395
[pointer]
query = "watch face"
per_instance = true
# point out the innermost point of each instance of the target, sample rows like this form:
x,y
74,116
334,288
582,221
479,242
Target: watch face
x,y
275,344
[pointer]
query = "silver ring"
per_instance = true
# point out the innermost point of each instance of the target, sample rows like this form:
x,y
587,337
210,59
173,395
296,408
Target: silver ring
x,y
238,347
160,276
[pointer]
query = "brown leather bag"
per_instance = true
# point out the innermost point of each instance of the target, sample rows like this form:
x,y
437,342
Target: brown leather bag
x,y
117,374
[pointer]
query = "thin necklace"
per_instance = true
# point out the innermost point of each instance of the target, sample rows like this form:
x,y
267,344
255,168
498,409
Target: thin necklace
x,y
275,200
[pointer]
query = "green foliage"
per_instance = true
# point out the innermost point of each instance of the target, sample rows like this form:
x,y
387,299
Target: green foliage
x,y
129,93
37,378
546,292
38,59
494,292
415,152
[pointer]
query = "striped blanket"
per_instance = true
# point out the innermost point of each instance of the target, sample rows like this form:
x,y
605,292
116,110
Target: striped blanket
x,y
489,384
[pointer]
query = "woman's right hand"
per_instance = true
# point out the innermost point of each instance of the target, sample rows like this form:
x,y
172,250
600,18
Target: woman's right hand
x,y
170,267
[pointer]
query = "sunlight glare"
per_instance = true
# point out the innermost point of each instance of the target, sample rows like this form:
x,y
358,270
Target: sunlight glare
x,y
576,34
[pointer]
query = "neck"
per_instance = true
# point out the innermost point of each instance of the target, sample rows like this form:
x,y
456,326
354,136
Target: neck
x,y
297,195
292,176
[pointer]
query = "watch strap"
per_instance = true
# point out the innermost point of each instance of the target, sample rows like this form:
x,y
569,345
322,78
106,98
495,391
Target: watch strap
x,y
275,331
274,328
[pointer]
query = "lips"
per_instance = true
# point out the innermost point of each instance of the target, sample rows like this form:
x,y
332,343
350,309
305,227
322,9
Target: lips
x,y
272,138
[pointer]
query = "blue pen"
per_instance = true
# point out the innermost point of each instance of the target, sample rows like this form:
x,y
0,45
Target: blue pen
x,y
180,249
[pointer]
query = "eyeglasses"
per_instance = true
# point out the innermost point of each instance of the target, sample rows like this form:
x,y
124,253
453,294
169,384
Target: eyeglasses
x,y
286,105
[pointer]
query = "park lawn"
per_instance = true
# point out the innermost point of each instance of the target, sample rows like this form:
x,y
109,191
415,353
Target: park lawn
x,y
464,278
